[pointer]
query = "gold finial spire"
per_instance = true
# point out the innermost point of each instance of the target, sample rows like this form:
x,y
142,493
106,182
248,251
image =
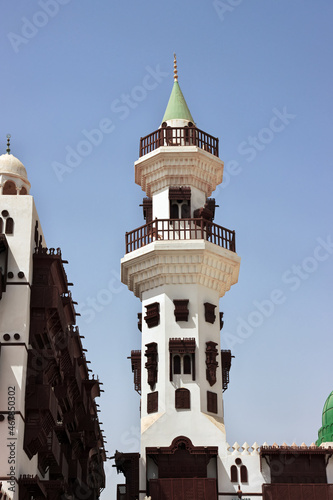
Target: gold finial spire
x,y
8,143
175,72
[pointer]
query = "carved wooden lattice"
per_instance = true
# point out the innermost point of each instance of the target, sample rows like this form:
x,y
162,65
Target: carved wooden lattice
x,y
151,364
181,309
211,363
136,369
210,315
182,346
226,365
179,193
152,317
221,320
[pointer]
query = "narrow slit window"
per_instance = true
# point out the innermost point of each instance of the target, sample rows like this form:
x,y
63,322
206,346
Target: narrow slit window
x,y
234,474
176,365
187,365
243,473
9,226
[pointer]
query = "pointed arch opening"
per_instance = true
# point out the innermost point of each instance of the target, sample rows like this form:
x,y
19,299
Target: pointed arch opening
x,y
23,190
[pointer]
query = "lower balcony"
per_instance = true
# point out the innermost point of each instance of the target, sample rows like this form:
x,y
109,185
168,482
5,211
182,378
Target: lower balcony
x,y
180,229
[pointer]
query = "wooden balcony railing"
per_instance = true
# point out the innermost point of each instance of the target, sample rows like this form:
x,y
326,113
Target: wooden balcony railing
x,y
180,229
179,136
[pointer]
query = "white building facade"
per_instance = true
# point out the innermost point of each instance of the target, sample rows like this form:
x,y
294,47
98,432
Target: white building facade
x,y
50,440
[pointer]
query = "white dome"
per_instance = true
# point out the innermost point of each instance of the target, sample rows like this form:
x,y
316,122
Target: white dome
x,y
10,165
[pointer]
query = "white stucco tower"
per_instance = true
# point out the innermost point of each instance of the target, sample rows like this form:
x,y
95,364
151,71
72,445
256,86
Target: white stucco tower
x,y
179,265
19,229
51,444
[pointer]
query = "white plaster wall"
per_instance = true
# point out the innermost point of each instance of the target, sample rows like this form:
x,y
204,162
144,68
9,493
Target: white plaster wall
x,y
161,209
252,462
15,318
198,199
202,428
161,204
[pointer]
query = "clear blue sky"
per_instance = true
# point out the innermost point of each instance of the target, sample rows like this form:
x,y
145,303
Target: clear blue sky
x,y
256,74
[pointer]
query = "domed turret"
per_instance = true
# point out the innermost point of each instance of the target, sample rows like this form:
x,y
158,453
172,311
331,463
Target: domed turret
x,y
13,175
325,433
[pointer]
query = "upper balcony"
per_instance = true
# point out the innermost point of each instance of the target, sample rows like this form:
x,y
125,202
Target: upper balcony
x,y
180,229
179,136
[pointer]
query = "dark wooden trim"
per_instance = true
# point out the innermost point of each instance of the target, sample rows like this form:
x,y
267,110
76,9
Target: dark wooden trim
x,y
295,450
152,402
210,315
180,229
181,310
19,283
179,136
182,346
182,440
152,317
231,493
180,193
4,344
212,402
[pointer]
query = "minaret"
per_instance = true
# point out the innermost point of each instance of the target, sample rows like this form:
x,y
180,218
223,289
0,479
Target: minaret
x,y
179,264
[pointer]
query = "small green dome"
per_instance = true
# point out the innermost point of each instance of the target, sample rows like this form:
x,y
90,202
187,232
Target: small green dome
x,y
177,107
325,433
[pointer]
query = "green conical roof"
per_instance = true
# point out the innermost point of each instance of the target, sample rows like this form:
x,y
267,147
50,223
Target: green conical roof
x,y
177,107
325,434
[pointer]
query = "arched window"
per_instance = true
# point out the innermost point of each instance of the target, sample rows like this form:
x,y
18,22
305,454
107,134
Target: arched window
x,y
23,190
182,399
9,226
187,364
176,365
1,225
243,473
9,188
174,210
234,474
186,210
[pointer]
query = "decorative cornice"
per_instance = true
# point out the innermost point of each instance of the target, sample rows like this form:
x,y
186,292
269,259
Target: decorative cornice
x,y
182,262
178,166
